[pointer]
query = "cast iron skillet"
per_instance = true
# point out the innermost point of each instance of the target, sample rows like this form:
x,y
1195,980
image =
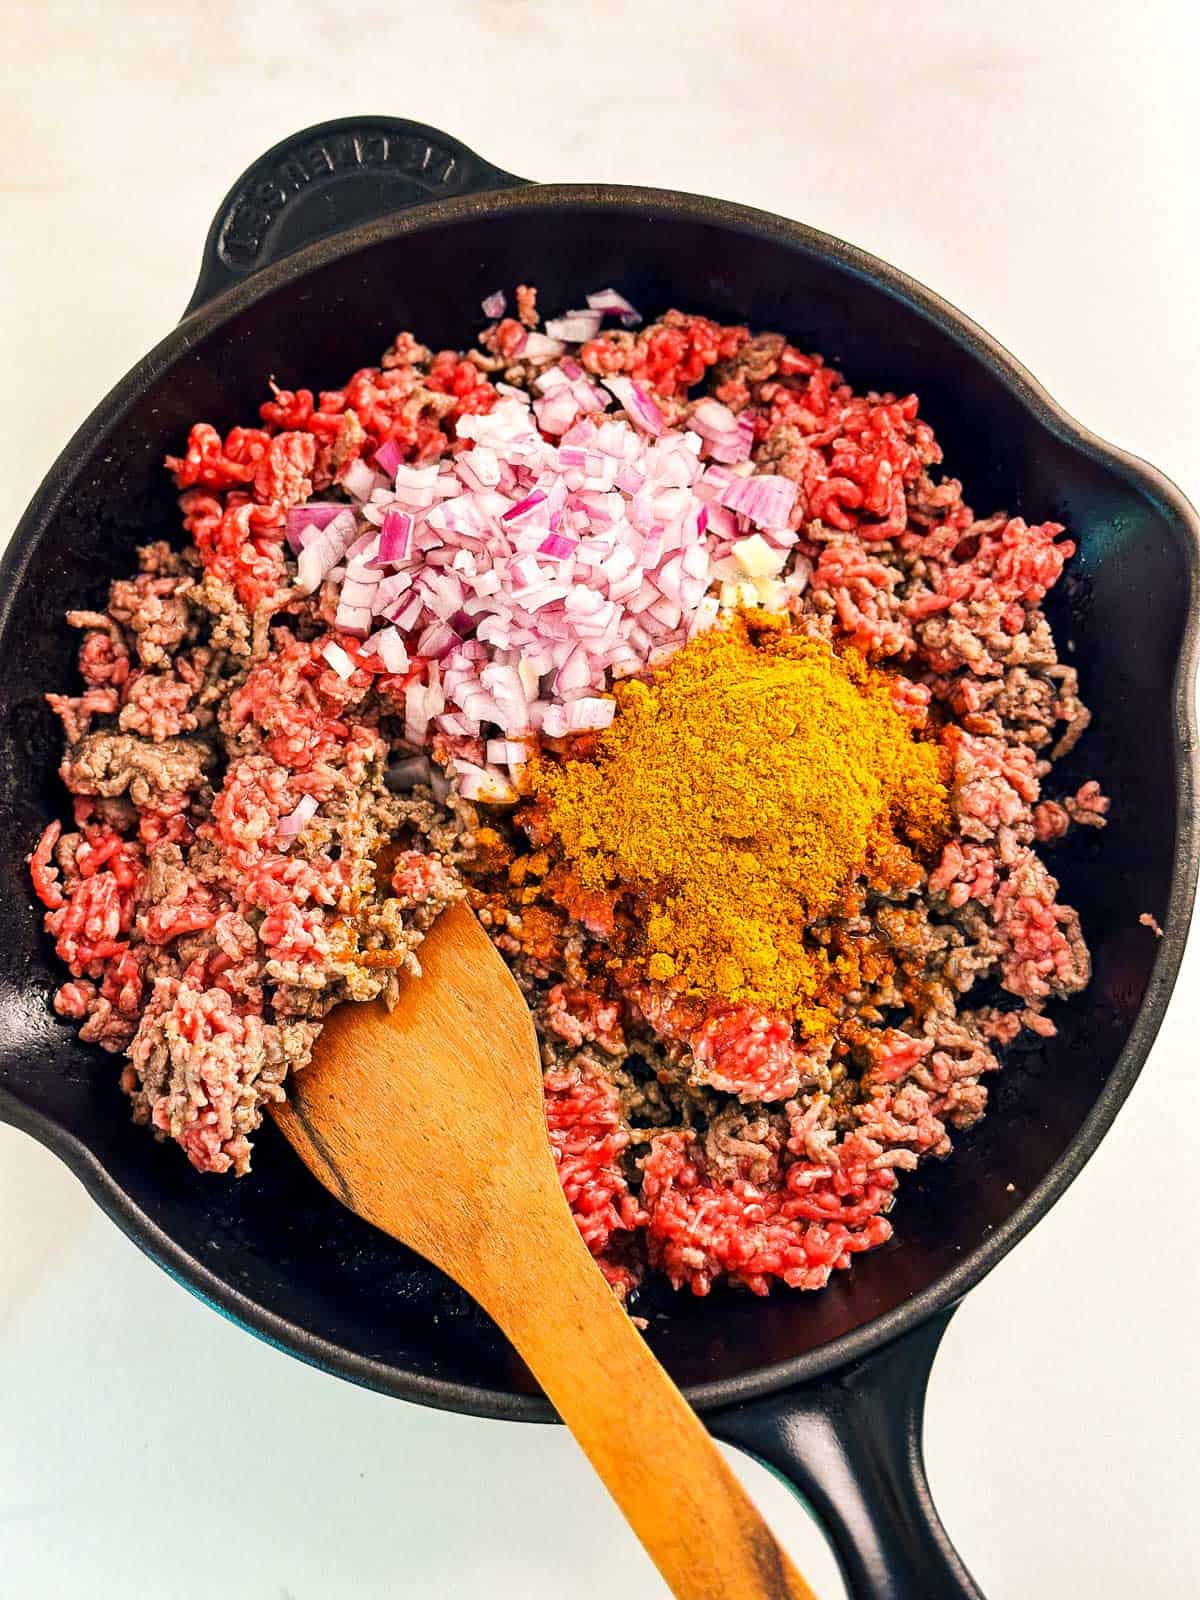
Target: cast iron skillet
x,y
325,247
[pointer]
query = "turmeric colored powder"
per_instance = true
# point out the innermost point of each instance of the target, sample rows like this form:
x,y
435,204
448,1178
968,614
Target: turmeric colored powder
x,y
739,793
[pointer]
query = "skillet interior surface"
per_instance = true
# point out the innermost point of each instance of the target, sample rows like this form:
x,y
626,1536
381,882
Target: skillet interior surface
x,y
274,1248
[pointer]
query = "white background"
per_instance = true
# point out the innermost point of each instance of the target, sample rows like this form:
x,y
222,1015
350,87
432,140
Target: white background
x,y
1034,163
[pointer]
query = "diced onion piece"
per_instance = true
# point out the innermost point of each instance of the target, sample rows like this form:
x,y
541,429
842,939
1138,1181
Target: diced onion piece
x,y
405,612
395,536
353,619
391,650
705,614
506,753
610,302
358,479
539,347
314,514
409,477
756,558
436,640
483,463
797,579
529,673
557,411
388,457
294,822
590,714
360,554
357,594
725,437
637,403
710,418
765,499
484,783
495,305
524,507
337,658
310,570
577,327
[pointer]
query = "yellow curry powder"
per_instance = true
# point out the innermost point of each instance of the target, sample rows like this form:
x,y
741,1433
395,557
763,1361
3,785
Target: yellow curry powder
x,y
740,792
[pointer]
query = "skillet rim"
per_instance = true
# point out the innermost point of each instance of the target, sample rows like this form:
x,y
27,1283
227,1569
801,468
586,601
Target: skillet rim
x,y
946,1290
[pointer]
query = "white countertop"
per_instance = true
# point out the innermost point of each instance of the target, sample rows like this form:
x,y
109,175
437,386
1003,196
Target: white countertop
x,y
1035,164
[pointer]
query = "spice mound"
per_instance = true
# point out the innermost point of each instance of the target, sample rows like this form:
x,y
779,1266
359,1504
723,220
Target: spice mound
x,y
739,794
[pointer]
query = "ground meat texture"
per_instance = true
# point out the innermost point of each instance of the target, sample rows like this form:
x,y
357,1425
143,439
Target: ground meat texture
x,y
77,711
201,1072
588,1138
712,1142
797,1231
157,706
230,624
156,613
111,764
527,305
743,1144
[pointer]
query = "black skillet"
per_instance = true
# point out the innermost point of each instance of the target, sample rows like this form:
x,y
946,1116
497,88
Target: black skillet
x,y
327,246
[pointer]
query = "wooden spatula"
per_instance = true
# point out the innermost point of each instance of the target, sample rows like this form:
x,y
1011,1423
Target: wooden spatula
x,y
428,1122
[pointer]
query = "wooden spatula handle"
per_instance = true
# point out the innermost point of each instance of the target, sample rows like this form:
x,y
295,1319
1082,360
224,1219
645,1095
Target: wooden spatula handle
x,y
431,1124
647,1445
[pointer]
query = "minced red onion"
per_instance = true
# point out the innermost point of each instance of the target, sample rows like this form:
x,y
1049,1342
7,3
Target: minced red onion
x,y
436,640
557,411
577,327
390,648
711,419
525,573
389,456
356,593
483,783
495,305
405,612
323,549
726,438
637,403
337,658
289,826
295,821
353,619
609,301
360,558
540,347
508,753
482,464
358,479
524,507
395,537
765,499
313,514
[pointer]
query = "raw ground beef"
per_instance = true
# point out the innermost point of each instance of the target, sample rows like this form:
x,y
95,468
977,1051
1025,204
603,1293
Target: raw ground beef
x,y
709,1141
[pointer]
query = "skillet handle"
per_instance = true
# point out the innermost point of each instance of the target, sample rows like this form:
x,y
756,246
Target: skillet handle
x,y
851,1445
328,178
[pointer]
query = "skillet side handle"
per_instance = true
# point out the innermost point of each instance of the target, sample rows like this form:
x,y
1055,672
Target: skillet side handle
x,y
851,1445
330,177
